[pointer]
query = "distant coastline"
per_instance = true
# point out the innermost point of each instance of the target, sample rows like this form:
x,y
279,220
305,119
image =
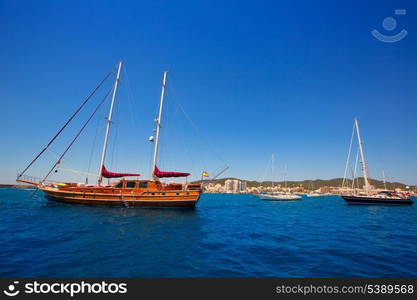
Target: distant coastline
x,y
19,186
315,184
308,184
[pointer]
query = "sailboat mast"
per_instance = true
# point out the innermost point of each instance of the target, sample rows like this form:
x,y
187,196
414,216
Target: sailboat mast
x,y
384,179
108,120
273,171
158,125
285,176
364,168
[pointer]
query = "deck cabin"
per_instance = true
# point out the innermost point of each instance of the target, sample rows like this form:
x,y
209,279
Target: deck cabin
x,y
126,186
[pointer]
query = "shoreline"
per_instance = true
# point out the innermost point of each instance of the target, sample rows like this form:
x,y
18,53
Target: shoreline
x,y
18,186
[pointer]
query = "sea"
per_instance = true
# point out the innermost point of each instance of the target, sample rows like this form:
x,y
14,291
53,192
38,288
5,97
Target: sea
x,y
225,236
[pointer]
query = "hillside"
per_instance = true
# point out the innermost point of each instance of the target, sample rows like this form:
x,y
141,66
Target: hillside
x,y
315,184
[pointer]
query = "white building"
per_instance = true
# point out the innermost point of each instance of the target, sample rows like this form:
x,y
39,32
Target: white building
x,y
234,186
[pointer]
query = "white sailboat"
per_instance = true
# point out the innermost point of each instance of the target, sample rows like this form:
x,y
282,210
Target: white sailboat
x,y
314,195
277,196
367,196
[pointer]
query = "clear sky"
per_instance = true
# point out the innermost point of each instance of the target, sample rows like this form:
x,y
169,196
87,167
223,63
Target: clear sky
x,y
253,78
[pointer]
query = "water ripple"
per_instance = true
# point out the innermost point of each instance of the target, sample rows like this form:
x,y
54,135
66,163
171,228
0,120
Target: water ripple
x,y
226,236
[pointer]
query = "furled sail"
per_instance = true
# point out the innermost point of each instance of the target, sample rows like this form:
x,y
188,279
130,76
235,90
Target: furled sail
x,y
107,174
161,174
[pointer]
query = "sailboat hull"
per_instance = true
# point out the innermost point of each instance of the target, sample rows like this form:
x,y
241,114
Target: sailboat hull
x,y
279,197
148,199
366,200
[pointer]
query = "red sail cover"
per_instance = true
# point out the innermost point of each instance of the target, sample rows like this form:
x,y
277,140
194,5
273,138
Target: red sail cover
x,y
107,174
161,174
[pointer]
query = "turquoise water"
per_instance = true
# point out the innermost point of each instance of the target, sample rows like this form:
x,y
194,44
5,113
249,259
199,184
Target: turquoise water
x,y
225,236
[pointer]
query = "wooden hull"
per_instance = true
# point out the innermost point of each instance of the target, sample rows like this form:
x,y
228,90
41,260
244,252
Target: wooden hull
x,y
364,200
150,199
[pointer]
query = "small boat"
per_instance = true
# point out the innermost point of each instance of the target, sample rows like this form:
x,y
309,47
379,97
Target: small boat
x,y
368,197
314,195
125,192
378,199
279,197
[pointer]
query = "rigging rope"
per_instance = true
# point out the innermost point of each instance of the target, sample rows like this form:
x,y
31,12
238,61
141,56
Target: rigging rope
x,y
93,147
130,97
348,157
77,135
354,172
197,130
262,179
204,143
78,172
65,125
113,161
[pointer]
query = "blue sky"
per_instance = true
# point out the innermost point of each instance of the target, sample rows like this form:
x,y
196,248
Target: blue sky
x,y
254,78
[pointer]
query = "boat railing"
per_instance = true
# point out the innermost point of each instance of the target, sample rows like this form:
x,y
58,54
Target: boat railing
x,y
193,186
28,179
181,186
34,180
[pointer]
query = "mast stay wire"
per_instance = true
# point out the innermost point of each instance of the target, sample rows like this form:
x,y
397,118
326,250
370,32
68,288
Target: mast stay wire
x,y
196,128
69,156
65,167
266,170
114,138
66,161
199,132
201,157
77,135
130,97
355,171
348,157
185,142
93,146
66,124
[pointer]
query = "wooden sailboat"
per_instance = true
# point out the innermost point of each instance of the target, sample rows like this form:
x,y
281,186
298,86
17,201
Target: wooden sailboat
x,y
125,192
367,197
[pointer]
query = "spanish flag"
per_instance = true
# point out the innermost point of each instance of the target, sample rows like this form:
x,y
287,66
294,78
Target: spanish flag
x,y
205,174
